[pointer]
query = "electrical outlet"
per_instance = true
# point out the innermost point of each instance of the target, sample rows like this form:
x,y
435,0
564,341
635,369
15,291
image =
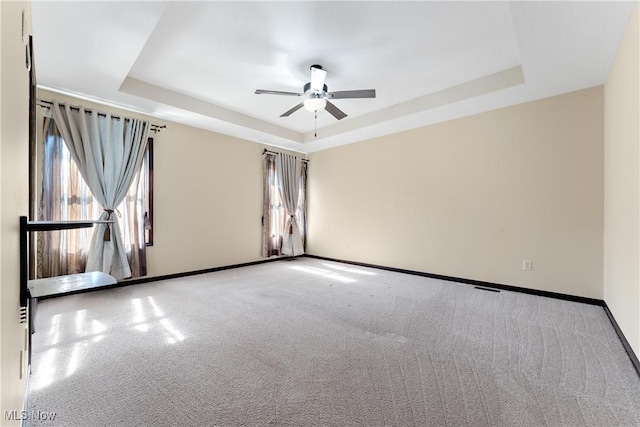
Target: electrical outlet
x,y
526,265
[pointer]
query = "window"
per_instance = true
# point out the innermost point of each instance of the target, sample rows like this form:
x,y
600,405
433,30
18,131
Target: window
x,y
274,212
65,196
147,189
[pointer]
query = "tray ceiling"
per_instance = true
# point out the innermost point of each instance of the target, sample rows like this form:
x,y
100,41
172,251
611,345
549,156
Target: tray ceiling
x,y
199,63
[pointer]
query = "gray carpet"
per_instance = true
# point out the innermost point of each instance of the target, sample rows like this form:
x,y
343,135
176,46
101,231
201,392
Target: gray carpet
x,y
315,343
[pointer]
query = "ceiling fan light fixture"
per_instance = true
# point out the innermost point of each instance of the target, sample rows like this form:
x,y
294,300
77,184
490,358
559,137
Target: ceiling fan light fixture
x,y
315,95
315,104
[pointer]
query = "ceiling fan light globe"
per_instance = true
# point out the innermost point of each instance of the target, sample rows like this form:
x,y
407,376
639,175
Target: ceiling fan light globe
x,y
315,104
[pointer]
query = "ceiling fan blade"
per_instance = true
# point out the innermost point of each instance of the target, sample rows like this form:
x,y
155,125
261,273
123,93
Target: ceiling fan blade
x,y
276,92
335,111
364,93
318,76
293,110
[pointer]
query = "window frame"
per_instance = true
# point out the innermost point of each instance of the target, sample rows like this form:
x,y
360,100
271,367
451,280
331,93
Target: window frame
x,y
148,234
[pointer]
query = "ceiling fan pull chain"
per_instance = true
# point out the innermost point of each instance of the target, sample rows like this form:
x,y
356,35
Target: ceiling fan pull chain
x,y
315,126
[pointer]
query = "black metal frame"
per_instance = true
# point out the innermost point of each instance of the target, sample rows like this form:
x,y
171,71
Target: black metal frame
x,y
27,304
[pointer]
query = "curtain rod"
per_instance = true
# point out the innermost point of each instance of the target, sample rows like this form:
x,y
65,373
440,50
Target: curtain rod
x,y
47,104
265,151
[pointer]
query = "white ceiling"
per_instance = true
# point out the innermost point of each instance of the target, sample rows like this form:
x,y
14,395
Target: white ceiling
x,y
199,63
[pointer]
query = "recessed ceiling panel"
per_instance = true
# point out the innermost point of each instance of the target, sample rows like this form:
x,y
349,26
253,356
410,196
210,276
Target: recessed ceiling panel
x,y
199,63
220,52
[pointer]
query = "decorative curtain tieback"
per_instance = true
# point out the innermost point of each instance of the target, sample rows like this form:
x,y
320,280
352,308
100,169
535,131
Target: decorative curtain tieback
x,y
292,218
107,231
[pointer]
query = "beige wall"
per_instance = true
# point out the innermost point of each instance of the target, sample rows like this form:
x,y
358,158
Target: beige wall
x,y
622,186
207,197
473,197
208,201
14,145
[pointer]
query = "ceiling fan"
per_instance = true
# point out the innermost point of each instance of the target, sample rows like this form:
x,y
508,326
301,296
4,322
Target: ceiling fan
x,y
317,97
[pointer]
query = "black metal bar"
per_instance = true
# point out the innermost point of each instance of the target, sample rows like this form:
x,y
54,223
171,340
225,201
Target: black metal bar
x,y
275,153
24,260
59,225
26,306
25,228
47,104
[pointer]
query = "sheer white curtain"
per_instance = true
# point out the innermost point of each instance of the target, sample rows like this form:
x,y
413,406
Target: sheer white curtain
x,y
108,153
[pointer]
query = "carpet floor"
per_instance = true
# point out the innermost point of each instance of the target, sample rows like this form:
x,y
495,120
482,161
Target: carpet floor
x,y
315,343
